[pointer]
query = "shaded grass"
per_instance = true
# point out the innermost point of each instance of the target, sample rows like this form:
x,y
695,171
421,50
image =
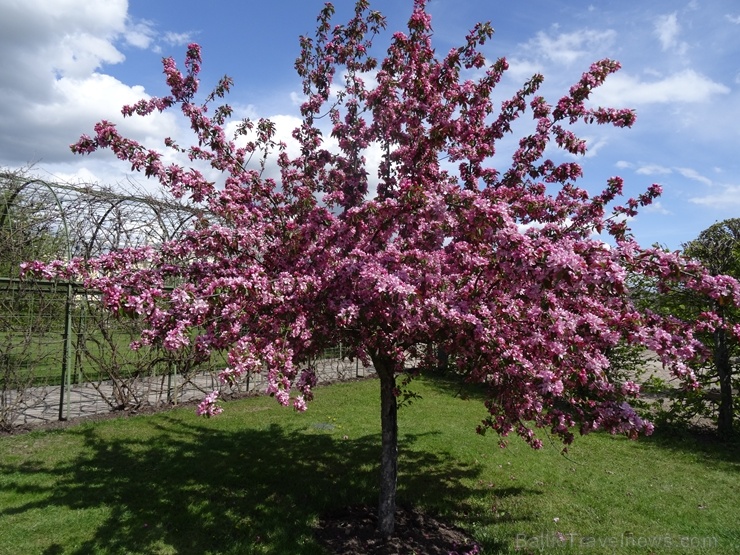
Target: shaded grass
x,y
256,479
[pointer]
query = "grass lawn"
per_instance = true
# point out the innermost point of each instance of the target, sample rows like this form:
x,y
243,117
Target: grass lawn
x,y
40,362
256,478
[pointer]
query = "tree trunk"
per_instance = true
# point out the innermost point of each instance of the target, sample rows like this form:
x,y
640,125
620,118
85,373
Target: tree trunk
x,y
724,373
389,441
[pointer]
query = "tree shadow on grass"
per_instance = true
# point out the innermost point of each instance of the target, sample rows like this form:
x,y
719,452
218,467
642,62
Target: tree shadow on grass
x,y
190,488
453,384
703,443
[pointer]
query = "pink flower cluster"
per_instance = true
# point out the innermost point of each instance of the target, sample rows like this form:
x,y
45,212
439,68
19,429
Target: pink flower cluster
x,y
208,406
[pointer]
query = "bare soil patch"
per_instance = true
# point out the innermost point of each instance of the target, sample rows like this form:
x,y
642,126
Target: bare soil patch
x,y
353,531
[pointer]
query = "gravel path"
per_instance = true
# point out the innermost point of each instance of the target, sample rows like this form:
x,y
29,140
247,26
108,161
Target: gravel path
x,y
41,405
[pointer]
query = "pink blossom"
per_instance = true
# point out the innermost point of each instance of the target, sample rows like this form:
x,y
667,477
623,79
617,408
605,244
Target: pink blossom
x,y
299,403
208,406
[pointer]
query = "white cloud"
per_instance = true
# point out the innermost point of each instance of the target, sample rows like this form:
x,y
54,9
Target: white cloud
x,y
40,41
690,173
666,27
653,169
733,18
144,35
177,39
684,86
728,197
656,208
297,99
520,70
657,169
668,31
54,86
284,126
81,54
567,48
594,145
76,176
140,34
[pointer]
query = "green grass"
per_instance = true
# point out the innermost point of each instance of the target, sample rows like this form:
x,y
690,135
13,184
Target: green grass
x,y
40,362
256,478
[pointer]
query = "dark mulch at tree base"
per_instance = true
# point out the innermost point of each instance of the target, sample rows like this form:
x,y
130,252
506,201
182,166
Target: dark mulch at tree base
x,y
353,531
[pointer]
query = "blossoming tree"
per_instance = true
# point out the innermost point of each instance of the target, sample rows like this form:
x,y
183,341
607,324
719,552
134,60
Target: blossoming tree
x,y
502,268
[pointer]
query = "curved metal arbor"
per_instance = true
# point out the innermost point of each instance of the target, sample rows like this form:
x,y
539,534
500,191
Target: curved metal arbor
x,y
42,220
89,220
61,353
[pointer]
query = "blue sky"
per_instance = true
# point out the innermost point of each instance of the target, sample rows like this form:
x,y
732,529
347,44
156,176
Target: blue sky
x,y
66,64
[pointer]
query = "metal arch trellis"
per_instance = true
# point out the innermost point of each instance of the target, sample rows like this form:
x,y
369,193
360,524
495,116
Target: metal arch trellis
x,y
82,205
89,221
17,190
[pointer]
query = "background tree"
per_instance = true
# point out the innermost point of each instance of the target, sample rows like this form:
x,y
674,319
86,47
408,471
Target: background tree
x,y
499,268
718,249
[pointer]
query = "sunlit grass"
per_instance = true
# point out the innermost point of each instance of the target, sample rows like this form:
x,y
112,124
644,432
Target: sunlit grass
x,y
255,480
